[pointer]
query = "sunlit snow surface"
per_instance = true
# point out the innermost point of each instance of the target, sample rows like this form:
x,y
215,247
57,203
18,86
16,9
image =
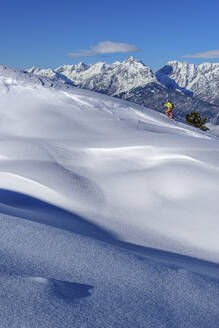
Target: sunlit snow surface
x,y
109,216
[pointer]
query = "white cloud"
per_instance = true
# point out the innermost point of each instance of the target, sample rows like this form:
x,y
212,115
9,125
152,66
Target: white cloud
x,y
207,54
111,47
83,53
105,47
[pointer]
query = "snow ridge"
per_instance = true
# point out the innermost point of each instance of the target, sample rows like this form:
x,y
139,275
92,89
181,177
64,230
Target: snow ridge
x,y
108,211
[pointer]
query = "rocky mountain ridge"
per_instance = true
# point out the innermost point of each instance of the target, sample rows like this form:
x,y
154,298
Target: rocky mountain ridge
x,y
190,87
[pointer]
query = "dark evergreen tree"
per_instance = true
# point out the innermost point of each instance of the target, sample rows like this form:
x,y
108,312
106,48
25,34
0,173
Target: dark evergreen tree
x,y
196,120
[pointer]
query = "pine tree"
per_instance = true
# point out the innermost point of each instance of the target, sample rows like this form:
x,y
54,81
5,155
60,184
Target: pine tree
x,y
196,120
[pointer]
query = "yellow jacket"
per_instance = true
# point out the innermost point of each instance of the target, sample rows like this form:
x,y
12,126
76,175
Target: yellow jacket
x,y
169,105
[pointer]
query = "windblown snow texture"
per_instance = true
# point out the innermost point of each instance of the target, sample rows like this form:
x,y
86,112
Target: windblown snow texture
x,y
109,214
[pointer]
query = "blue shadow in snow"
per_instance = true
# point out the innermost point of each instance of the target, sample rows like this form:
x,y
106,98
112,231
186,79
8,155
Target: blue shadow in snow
x,y
69,291
27,207
33,209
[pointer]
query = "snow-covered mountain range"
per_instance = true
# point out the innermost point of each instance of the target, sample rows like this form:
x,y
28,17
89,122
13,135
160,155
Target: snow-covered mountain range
x,y
200,81
190,87
109,79
108,212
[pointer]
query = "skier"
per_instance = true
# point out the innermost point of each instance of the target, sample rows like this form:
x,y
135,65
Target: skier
x,y
169,109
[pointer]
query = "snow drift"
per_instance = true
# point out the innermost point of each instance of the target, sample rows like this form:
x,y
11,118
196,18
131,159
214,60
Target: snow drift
x,y
109,214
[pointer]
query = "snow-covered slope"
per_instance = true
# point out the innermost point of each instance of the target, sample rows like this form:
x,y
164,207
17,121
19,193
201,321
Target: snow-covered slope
x,y
153,95
103,206
201,81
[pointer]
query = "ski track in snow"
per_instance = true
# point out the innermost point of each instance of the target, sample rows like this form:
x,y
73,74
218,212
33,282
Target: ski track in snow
x,y
109,216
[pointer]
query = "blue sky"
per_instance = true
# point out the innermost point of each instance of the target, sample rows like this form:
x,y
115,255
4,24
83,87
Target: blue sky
x,y
44,33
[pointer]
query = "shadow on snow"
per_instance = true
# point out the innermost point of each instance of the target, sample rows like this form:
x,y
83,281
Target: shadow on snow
x,y
33,209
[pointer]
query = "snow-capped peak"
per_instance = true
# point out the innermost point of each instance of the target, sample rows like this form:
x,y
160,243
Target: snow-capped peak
x,y
116,63
33,69
120,77
201,81
111,79
129,59
81,67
